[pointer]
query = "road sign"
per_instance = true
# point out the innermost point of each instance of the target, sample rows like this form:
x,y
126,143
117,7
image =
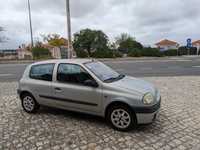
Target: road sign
x,y
189,43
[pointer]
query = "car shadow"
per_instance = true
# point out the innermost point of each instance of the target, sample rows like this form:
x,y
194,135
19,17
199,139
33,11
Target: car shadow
x,y
72,115
96,120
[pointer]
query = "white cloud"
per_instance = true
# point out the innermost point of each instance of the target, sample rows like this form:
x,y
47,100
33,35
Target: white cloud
x,y
147,20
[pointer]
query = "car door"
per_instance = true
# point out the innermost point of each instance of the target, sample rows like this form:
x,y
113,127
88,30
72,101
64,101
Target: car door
x,y
71,92
40,81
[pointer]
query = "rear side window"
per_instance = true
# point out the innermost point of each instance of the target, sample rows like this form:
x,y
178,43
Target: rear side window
x,y
42,72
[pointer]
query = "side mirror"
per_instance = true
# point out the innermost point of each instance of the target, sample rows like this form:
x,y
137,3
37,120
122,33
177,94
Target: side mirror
x,y
91,83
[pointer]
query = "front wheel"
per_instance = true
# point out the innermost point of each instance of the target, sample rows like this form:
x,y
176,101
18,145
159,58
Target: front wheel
x,y
121,118
29,103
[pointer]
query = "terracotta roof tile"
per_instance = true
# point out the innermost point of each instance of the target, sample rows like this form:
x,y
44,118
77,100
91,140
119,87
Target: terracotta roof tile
x,y
166,42
196,42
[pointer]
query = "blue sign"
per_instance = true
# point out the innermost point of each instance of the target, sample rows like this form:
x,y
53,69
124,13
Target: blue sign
x,y
189,43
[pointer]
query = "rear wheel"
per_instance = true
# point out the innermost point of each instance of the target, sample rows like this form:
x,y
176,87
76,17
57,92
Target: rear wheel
x,y
29,103
121,118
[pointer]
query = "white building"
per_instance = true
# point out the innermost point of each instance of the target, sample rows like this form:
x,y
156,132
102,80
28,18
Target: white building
x,y
24,53
58,52
54,50
197,45
164,45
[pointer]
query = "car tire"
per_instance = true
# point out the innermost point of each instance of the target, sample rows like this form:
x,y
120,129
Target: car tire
x,y
121,118
29,103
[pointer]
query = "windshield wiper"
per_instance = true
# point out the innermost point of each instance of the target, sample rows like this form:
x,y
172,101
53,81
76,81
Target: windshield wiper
x,y
112,79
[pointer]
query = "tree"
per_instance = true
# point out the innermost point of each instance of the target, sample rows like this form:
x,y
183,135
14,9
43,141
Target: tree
x,y
126,43
54,40
123,37
90,41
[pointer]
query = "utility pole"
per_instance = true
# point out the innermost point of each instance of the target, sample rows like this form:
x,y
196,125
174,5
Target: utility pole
x,y
70,48
31,29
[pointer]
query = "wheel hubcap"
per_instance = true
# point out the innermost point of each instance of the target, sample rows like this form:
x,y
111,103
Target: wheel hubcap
x,y
120,118
28,103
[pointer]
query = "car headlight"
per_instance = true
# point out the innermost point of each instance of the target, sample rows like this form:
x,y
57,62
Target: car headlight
x,y
148,99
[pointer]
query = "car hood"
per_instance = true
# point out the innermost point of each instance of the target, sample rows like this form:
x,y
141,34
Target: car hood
x,y
132,84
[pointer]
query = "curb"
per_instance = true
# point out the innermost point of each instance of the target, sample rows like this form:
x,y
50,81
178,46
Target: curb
x,y
104,59
16,62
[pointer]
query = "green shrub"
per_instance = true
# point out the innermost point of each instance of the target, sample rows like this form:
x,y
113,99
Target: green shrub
x,y
81,54
170,52
148,52
100,54
151,52
103,54
41,53
135,53
117,54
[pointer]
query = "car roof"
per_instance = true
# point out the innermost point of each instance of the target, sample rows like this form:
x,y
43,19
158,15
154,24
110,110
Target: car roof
x,y
72,61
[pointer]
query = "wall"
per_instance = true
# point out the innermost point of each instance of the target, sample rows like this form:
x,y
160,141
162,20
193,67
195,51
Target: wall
x,y
164,48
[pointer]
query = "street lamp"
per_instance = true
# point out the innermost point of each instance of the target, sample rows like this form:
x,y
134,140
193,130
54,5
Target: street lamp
x,y
70,48
31,29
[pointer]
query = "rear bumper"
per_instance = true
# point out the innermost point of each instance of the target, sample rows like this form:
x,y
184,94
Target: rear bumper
x,y
146,115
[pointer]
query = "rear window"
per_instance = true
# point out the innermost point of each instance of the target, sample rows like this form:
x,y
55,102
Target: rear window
x,y
42,72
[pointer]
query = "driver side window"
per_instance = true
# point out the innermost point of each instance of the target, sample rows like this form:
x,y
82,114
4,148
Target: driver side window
x,y
73,74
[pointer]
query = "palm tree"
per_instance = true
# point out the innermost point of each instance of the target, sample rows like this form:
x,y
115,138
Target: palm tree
x,y
124,37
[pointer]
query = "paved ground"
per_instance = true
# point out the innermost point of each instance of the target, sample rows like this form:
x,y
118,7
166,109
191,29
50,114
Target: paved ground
x,y
173,66
178,126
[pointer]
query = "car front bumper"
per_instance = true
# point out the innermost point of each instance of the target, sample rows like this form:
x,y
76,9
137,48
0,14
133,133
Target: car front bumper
x,y
146,115
146,118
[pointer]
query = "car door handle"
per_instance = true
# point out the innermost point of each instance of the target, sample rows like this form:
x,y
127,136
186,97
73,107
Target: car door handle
x,y
58,89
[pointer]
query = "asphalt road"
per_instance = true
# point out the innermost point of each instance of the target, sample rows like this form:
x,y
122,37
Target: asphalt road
x,y
187,66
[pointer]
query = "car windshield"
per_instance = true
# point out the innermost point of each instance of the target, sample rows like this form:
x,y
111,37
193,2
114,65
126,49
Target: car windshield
x,y
103,72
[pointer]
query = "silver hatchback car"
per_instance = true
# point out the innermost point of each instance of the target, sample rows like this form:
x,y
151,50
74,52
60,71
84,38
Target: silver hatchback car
x,y
89,86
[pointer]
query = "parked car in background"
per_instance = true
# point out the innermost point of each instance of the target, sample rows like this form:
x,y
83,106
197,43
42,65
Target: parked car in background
x,y
89,86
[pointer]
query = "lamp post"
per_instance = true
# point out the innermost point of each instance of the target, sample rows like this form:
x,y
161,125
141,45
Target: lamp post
x,y
31,29
70,48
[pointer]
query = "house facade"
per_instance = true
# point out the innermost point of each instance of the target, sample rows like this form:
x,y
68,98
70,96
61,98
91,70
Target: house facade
x,y
197,45
59,52
24,53
164,45
54,50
